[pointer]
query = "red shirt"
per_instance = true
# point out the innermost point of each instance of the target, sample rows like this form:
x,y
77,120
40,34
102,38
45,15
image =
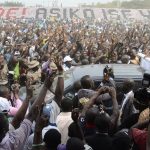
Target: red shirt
x,y
140,137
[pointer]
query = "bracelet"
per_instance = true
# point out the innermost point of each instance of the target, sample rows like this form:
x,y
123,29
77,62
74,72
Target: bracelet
x,y
60,76
37,145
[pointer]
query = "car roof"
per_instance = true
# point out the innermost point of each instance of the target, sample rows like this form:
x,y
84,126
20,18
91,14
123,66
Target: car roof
x,y
121,71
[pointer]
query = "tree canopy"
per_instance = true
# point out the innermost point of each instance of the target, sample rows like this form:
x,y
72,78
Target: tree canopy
x,y
133,4
11,4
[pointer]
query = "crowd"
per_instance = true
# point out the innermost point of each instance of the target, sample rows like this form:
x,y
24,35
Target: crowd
x,y
38,52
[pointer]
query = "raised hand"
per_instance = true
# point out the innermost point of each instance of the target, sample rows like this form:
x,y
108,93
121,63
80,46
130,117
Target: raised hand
x,y
29,90
58,63
75,115
49,80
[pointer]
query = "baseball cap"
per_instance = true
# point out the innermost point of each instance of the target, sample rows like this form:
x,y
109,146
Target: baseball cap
x,y
4,105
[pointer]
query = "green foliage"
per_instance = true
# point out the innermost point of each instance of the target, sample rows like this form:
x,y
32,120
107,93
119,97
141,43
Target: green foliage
x,y
133,4
11,4
137,4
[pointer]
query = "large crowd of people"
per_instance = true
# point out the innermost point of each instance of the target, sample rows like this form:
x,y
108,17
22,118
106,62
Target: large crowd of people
x,y
34,54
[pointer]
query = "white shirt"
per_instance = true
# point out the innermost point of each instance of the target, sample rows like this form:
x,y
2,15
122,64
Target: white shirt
x,y
125,100
63,122
127,97
145,63
54,111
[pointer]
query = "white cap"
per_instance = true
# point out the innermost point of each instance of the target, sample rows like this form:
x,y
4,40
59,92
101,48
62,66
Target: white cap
x,y
8,37
69,42
17,53
67,58
4,104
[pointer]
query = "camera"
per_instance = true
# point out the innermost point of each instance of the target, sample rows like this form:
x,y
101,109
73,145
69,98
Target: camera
x,y
108,72
143,94
146,80
108,77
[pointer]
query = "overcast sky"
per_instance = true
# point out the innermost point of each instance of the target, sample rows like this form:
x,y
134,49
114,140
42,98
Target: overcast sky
x,y
64,2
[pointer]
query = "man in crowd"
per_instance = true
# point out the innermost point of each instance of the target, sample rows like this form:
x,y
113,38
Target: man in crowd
x,y
29,51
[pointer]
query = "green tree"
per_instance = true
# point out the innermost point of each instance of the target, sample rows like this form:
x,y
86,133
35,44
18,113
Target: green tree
x,y
133,4
12,4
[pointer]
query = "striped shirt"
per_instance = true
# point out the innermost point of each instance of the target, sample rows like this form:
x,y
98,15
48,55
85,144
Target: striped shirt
x,y
16,139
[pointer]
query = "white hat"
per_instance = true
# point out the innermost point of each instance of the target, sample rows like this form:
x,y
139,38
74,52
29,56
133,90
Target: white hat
x,y
4,104
53,66
69,42
67,58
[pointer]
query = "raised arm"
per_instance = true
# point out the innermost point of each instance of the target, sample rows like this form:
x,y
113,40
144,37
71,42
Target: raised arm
x,y
92,100
23,109
115,113
41,122
47,84
75,116
60,84
90,103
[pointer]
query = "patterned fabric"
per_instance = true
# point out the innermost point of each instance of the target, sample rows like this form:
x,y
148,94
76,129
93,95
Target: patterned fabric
x,y
15,140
